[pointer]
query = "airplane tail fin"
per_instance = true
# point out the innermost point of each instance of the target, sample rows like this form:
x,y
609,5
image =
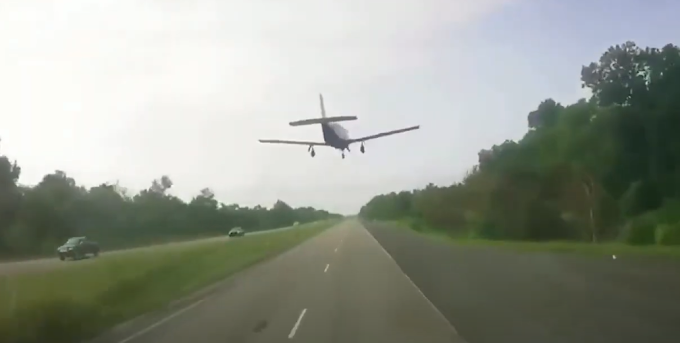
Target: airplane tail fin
x,y
323,109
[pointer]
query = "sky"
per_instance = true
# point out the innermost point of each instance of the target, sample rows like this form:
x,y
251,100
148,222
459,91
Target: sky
x,y
130,90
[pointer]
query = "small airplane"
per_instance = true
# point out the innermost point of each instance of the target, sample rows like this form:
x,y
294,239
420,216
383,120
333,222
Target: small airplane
x,y
334,135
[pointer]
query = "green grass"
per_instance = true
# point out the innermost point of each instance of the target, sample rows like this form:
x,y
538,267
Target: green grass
x,y
578,247
84,299
551,246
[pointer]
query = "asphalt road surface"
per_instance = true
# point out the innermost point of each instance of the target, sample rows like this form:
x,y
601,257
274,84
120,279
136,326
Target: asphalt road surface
x,y
340,286
45,264
344,287
493,295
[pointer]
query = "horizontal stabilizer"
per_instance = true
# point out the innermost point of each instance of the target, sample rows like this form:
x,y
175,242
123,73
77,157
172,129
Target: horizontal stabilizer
x,y
322,120
279,141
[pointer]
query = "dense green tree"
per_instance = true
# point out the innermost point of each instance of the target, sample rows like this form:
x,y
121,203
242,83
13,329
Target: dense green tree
x,y
602,168
10,196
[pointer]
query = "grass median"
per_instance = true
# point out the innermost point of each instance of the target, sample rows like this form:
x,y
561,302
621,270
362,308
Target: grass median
x,y
78,302
584,248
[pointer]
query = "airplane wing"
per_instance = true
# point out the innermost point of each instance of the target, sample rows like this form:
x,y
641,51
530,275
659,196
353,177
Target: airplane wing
x,y
277,141
383,134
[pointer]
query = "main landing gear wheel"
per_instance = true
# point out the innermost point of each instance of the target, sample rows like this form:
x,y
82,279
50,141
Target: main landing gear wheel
x,y
311,150
362,149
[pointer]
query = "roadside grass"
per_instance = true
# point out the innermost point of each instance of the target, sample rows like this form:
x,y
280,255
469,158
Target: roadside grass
x,y
609,248
79,302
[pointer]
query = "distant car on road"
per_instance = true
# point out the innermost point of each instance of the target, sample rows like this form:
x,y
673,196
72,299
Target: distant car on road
x,y
236,232
77,248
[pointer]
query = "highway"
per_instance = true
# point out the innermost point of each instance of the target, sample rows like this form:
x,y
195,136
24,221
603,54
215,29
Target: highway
x,y
340,286
343,286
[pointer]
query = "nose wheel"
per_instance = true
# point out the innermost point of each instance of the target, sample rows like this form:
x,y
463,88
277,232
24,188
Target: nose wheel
x,y
343,151
362,149
311,150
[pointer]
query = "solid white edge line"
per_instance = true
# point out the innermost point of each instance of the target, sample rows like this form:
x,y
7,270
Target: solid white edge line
x,y
441,315
326,269
297,324
160,322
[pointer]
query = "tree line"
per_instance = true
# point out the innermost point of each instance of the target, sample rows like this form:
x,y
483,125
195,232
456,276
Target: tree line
x,y
605,168
35,220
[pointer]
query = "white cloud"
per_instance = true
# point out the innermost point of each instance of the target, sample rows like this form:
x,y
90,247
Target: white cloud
x,y
132,89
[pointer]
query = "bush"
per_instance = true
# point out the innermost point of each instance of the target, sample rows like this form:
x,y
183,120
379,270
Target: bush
x,y
483,228
640,231
668,234
640,197
544,222
416,225
669,213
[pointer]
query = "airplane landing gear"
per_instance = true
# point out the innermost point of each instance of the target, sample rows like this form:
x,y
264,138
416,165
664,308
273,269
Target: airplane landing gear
x,y
343,151
311,150
362,149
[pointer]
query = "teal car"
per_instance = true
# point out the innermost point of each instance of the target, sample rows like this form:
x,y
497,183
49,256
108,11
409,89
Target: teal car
x,y
77,248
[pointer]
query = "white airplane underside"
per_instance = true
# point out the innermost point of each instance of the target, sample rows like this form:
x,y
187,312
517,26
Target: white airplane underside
x,y
334,134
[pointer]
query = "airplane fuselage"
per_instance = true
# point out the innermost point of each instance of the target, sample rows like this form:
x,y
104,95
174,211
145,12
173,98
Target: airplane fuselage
x,y
335,135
